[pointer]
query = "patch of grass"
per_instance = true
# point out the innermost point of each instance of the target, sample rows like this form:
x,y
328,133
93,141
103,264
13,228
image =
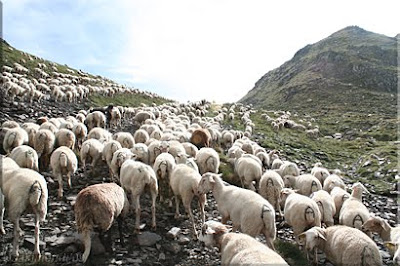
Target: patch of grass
x,y
131,100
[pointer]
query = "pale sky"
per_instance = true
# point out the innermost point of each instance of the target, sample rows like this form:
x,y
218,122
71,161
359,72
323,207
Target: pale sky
x,y
184,49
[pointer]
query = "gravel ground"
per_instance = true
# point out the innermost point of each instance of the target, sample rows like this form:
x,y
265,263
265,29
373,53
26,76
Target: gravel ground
x,y
61,244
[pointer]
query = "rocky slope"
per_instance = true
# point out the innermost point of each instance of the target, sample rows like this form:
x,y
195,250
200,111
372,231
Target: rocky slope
x,y
353,68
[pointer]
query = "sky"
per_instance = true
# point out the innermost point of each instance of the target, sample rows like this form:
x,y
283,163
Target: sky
x,y
184,50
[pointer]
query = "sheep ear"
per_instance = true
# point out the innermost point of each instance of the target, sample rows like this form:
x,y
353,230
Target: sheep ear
x,y
385,224
320,235
302,236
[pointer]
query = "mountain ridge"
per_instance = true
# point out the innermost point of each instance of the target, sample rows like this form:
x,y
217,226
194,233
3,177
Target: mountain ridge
x,y
353,62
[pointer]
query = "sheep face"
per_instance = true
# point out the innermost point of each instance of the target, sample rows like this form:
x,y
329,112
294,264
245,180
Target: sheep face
x,y
210,229
206,183
311,238
359,188
375,224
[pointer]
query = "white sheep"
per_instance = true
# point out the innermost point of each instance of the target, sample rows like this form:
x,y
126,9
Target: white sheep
x,y
288,168
154,151
183,158
14,137
306,183
65,137
119,157
276,164
227,139
50,126
25,157
237,248
342,245
270,188
108,152
31,129
190,149
92,149
339,195
249,211
63,161
44,145
126,139
163,167
300,212
101,134
142,152
135,176
353,212
390,235
326,206
320,172
332,181
141,136
23,189
95,119
184,181
248,168
80,131
207,160
96,207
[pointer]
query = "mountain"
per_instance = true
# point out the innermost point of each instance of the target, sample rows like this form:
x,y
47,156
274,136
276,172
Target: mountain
x,y
351,69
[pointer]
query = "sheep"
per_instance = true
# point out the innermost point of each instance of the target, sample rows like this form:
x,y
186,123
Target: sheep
x,y
339,195
320,172
227,139
342,245
326,206
141,136
332,181
173,147
80,131
65,137
115,117
91,149
96,207
50,126
63,161
300,211
23,189
276,164
100,134
249,211
184,181
391,235
126,139
25,157
135,176
44,144
142,152
208,160
108,152
154,151
270,188
237,248
31,129
95,119
190,149
353,212
182,158
288,168
14,137
163,167
306,183
201,138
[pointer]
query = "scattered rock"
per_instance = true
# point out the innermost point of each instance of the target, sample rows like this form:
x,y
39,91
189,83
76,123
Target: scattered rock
x,y
148,238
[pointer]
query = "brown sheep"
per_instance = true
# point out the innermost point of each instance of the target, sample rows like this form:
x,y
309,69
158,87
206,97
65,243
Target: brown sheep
x,y
201,138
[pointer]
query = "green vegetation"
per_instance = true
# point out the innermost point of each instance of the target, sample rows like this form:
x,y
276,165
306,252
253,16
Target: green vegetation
x,y
291,253
131,100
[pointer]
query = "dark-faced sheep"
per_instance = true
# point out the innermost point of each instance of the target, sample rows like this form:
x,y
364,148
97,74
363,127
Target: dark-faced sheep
x,y
201,138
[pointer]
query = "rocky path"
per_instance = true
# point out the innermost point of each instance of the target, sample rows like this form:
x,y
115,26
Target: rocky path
x,y
170,244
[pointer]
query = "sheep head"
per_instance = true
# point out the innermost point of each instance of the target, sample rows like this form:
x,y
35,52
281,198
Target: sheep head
x,y
210,230
376,224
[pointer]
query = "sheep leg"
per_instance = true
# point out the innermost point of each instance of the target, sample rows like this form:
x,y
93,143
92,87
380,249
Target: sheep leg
x,y
87,244
36,251
153,209
60,185
69,180
17,232
177,214
2,232
120,221
224,219
137,211
202,202
187,202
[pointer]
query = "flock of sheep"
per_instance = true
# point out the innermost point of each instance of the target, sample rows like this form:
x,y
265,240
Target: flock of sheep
x,y
173,155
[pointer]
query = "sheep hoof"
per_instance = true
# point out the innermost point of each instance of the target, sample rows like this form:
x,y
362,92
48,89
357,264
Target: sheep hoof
x,y
36,257
2,232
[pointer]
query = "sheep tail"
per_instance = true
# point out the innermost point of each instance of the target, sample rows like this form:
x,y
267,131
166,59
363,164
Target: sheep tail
x,y
11,138
86,148
321,206
358,221
37,200
211,162
63,160
309,215
30,159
